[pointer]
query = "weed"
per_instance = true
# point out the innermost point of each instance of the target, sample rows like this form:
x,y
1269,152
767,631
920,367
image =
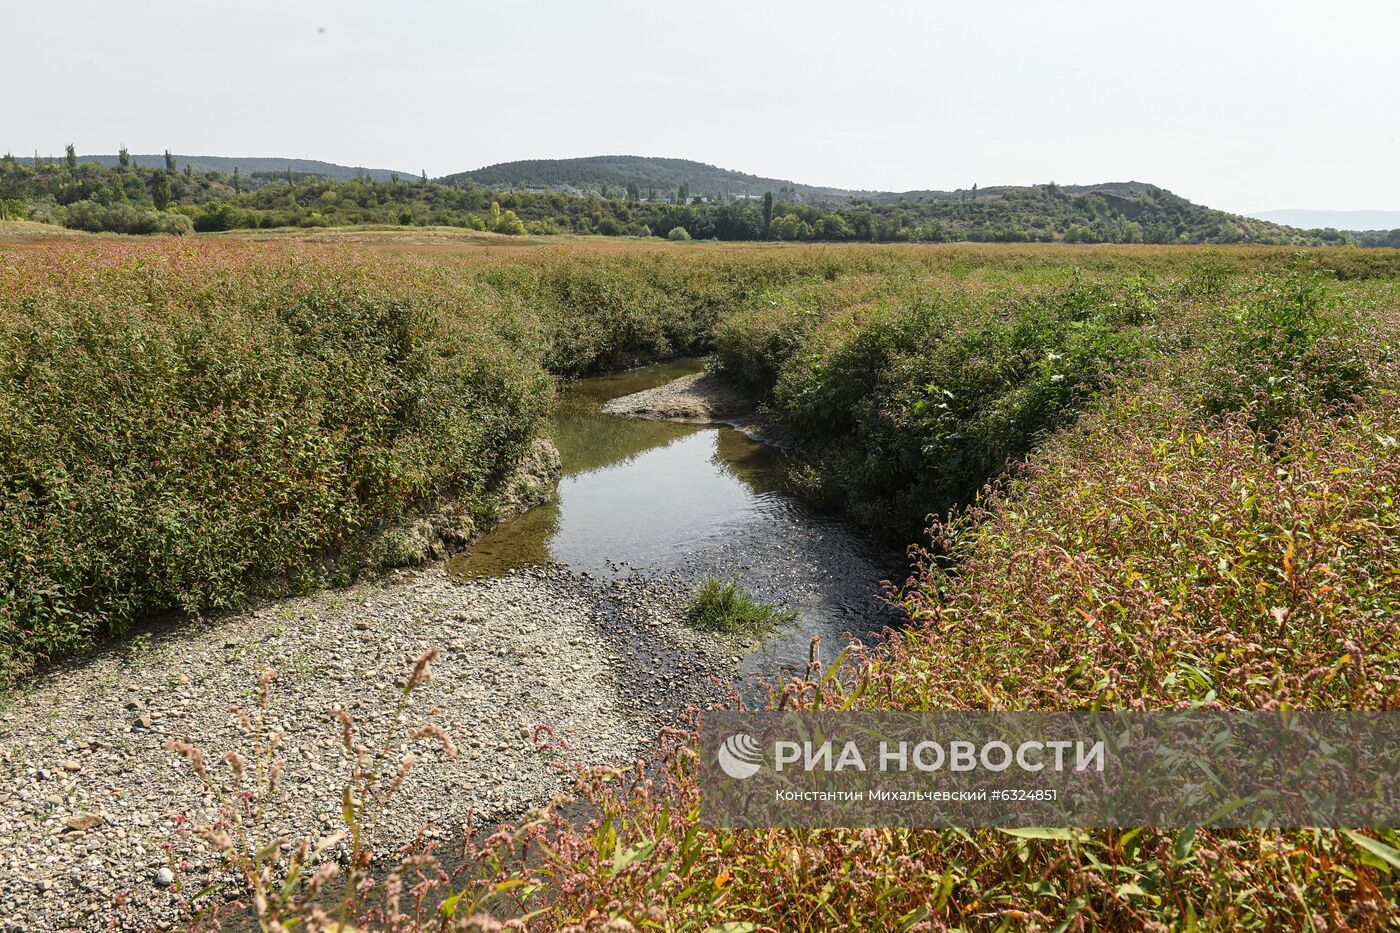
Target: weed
x,y
721,606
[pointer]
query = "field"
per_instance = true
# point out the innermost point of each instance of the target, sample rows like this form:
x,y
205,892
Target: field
x,y
1159,477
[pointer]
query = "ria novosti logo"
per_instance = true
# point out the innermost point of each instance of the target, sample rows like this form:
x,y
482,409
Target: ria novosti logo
x,y
740,756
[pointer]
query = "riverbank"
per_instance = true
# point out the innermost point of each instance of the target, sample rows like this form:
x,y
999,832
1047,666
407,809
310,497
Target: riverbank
x,y
700,398
89,795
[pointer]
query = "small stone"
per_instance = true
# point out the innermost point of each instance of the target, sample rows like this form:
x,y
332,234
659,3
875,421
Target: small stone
x,y
83,821
165,878
72,765
362,625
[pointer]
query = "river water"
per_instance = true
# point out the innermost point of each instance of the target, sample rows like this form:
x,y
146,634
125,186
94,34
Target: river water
x,y
697,500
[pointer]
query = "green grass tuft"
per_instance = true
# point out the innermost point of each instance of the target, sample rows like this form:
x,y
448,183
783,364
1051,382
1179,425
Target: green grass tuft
x,y
721,606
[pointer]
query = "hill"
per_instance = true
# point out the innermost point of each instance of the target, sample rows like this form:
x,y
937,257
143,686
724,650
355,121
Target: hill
x,y
595,174
250,165
1336,220
609,195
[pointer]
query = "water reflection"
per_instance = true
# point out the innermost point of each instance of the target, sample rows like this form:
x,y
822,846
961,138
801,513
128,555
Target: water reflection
x,y
693,498
634,491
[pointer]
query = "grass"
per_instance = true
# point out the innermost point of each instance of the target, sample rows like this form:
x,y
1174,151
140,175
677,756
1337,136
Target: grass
x,y
721,606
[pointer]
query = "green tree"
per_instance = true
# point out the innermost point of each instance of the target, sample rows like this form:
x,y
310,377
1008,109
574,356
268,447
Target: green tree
x,y
160,190
767,212
123,157
70,156
237,180
792,227
170,165
509,223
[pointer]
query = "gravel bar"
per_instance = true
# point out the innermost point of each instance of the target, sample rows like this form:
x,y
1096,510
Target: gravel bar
x,y
89,795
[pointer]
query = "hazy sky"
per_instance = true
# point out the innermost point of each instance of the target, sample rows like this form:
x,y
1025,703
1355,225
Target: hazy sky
x,y
1240,105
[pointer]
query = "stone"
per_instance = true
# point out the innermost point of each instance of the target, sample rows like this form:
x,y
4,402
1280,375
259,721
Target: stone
x,y
83,821
165,878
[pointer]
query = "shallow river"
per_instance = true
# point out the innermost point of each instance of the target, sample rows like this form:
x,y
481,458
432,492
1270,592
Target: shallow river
x,y
698,500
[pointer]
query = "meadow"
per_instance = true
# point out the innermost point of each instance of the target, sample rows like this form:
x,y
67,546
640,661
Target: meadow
x,y
1135,477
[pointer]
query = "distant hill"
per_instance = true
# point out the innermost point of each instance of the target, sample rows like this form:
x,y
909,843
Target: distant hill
x,y
613,173
1337,220
247,165
594,173
613,196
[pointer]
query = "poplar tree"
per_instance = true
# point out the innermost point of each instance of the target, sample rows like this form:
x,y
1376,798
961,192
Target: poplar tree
x,y
160,190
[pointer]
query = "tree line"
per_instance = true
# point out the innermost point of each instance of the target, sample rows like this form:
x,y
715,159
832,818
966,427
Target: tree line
x,y
126,198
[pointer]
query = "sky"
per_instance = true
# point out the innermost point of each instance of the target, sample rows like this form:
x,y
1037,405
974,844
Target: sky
x,y
1241,105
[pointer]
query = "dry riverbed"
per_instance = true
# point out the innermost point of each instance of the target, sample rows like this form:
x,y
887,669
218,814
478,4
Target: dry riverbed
x,y
89,795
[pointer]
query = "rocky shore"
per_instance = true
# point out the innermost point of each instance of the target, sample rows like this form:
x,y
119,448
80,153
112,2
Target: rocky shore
x,y
700,399
90,797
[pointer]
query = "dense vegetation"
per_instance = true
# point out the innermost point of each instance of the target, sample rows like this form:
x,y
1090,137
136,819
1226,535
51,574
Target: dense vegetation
x,y
652,177
254,167
1218,529
184,427
169,199
1200,511
911,393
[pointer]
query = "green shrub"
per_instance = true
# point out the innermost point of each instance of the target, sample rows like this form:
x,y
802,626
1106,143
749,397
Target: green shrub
x,y
508,223
184,430
1285,351
123,218
678,233
220,215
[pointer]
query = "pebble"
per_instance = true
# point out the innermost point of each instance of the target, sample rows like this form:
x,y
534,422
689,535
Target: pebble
x,y
89,795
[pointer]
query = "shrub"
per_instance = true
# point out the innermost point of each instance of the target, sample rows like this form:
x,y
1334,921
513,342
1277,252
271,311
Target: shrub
x,y
219,215
509,223
1283,352
186,429
678,234
123,218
